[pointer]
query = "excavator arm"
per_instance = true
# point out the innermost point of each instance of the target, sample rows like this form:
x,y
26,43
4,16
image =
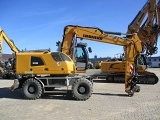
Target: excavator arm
x,y
149,30
11,44
90,33
147,9
158,12
132,45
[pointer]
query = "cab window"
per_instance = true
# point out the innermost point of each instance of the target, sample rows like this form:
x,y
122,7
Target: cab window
x,y
80,55
36,61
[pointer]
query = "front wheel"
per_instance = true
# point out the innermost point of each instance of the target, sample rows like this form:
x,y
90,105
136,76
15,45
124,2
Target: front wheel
x,y
82,89
32,89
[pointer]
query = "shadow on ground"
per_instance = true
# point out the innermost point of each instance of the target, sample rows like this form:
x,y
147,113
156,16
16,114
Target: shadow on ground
x,y
7,93
17,94
6,79
111,94
99,81
104,81
67,96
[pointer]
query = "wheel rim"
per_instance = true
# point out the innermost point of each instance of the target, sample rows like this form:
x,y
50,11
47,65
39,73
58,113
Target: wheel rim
x,y
31,89
82,89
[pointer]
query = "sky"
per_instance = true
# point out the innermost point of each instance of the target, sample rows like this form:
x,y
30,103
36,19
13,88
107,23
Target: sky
x,y
39,24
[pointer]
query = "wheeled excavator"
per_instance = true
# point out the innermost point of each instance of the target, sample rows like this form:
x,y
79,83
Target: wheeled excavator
x,y
133,49
81,87
47,72
133,45
147,26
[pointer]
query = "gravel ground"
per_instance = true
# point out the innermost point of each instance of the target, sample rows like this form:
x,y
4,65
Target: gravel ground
x,y
108,102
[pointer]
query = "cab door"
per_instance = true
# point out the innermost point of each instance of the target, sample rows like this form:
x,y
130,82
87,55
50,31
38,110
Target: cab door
x,y
81,58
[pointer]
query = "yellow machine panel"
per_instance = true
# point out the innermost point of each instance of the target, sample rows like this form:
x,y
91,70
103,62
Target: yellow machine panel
x,y
117,66
44,63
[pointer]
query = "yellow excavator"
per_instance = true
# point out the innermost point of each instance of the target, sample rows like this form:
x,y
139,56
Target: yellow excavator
x,y
133,49
133,43
146,25
42,70
46,72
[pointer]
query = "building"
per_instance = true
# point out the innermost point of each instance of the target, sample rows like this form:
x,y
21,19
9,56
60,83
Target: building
x,y
153,61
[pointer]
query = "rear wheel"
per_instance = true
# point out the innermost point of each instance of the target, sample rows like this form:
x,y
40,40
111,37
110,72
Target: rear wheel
x,y
82,89
32,89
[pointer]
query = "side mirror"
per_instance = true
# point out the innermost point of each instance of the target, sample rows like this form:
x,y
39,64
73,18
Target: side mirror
x,y
89,49
59,46
58,43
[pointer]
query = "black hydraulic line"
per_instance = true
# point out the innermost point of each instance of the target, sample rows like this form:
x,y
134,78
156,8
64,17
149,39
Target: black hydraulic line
x,y
143,25
135,18
115,33
139,14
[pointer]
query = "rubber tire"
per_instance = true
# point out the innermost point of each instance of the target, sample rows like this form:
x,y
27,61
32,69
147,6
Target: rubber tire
x,y
88,89
32,96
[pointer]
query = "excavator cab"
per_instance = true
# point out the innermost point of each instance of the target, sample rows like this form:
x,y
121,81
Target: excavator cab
x,y
81,57
79,54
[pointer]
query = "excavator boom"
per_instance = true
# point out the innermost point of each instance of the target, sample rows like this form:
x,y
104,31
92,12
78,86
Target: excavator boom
x,y
146,24
147,9
11,44
89,33
158,12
